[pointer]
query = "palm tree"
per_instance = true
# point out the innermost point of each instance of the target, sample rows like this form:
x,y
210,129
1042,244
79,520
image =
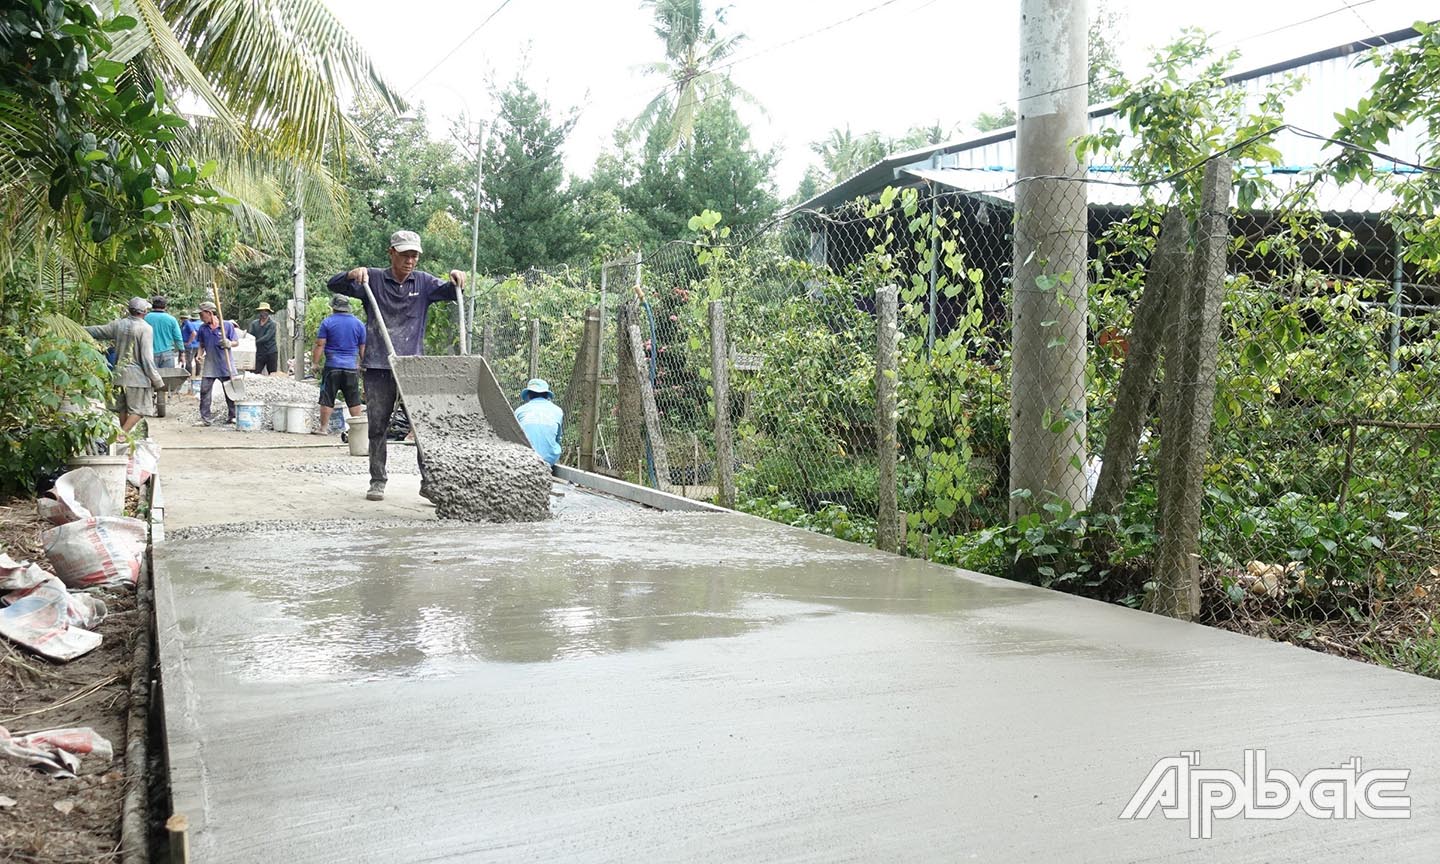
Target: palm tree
x,y
695,54
274,76
843,154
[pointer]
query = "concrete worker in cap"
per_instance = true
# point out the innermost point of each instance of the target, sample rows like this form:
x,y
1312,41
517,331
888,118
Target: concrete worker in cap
x,y
216,361
341,341
135,377
404,295
541,419
165,331
267,352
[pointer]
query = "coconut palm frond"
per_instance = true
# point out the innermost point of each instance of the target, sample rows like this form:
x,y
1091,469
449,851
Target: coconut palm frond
x,y
286,67
63,326
152,41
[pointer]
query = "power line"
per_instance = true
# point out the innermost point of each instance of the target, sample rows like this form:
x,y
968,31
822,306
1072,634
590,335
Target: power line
x,y
458,46
1200,52
804,36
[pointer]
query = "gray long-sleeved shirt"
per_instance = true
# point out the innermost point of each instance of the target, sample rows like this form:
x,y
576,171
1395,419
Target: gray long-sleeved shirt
x,y
134,351
405,307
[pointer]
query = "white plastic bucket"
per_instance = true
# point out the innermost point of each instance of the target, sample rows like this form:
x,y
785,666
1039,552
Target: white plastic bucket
x,y
112,472
297,418
359,437
194,386
249,416
278,416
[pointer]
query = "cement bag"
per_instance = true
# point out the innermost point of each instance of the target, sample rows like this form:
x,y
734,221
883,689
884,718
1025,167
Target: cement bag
x,y
41,615
79,494
96,552
57,752
144,461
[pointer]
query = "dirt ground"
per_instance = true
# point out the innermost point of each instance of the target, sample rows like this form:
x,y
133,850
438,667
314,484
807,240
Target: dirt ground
x,y
78,820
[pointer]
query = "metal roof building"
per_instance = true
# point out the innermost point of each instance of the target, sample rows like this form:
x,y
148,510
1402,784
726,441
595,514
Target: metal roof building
x,y
1333,79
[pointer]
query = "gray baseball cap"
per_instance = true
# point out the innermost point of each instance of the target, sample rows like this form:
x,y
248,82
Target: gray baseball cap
x,y
405,241
139,306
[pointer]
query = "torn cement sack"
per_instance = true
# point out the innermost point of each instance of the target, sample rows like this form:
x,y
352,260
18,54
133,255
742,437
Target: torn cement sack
x,y
57,752
96,552
144,461
78,494
41,615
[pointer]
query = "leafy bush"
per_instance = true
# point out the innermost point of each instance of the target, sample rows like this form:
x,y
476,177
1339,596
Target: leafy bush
x,y
46,381
836,520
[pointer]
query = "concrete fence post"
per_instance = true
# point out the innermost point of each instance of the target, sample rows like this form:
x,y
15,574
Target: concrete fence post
x,y
887,523
487,341
1188,401
535,345
590,414
720,381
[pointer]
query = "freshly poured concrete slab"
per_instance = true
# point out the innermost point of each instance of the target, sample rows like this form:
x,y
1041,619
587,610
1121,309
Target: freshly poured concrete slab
x,y
627,685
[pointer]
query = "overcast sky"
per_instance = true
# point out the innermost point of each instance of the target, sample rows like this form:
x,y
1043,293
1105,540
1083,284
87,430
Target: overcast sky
x,y
903,64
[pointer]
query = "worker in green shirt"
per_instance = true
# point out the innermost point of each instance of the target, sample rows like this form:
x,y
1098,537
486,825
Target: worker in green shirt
x,y
267,353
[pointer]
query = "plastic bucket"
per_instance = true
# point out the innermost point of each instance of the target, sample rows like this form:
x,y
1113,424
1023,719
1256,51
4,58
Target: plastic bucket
x,y
112,473
195,386
359,437
278,415
249,416
297,418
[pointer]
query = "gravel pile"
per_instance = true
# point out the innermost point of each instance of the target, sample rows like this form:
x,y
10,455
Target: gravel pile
x,y
400,461
272,390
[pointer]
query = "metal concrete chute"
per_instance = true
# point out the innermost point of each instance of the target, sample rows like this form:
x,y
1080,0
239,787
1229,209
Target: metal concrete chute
x,y
436,390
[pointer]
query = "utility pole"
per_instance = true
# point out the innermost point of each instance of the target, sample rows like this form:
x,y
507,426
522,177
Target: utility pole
x,y
1048,335
298,337
474,233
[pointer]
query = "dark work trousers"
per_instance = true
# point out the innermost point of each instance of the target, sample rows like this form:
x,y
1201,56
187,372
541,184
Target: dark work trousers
x,y
380,395
207,386
267,362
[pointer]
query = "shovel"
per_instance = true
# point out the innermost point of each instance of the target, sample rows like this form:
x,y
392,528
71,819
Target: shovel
x,y
233,386
434,388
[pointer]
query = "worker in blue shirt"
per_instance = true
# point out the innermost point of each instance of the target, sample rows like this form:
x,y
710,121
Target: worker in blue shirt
x,y
166,330
541,419
190,335
341,342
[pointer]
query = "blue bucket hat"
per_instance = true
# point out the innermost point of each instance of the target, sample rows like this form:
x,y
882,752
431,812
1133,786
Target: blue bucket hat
x,y
536,387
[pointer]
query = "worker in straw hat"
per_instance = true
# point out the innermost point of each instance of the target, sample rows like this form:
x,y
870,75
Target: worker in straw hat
x,y
267,353
541,419
135,378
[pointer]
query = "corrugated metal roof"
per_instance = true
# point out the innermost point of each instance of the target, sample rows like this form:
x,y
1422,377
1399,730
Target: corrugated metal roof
x,y
1110,190
1333,81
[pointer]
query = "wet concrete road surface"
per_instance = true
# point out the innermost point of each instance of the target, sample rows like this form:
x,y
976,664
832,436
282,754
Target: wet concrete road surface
x,y
626,685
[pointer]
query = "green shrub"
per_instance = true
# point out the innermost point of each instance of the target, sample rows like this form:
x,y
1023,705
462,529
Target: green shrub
x,y
39,374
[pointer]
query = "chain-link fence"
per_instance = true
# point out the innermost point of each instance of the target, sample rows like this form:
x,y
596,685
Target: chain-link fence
x,y
1217,411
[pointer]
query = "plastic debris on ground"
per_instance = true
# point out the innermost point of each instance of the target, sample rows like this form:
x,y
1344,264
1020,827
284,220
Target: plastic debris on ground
x,y
78,494
56,752
144,462
95,552
40,614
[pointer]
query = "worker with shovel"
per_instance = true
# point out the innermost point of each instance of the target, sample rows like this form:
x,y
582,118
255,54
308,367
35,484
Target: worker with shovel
x,y
404,295
136,377
216,363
